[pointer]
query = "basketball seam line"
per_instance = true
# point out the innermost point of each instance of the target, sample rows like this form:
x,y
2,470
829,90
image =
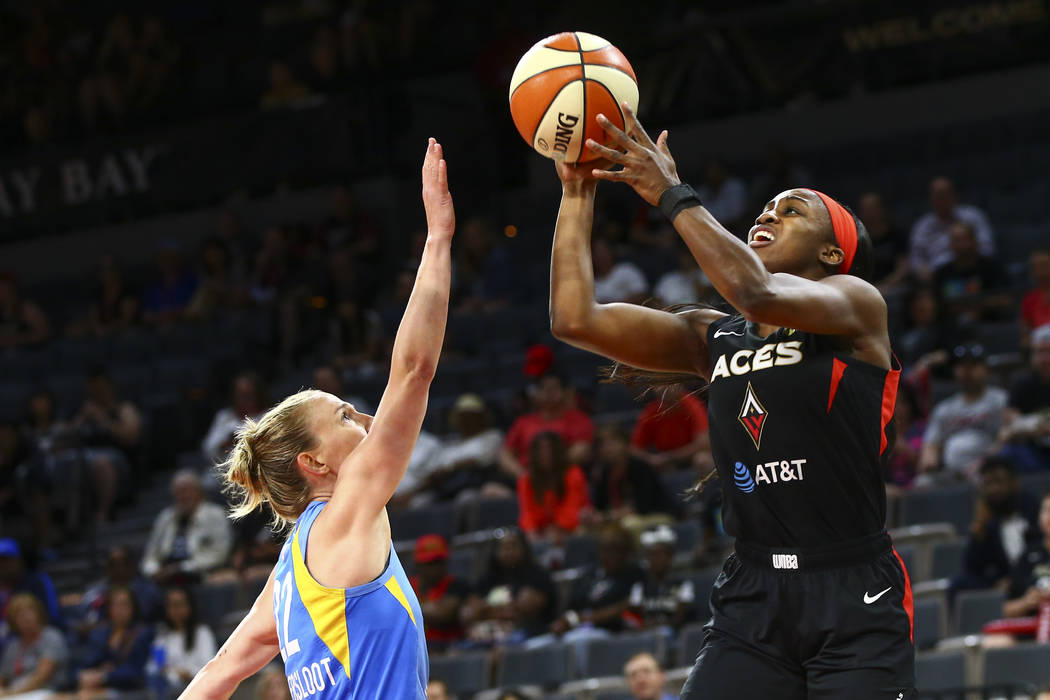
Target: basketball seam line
x,y
583,117
603,86
610,67
545,70
547,111
580,50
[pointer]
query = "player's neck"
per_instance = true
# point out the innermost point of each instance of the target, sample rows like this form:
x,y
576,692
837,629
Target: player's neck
x,y
765,330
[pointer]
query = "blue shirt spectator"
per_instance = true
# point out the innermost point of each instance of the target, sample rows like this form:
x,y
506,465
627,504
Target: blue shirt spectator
x,y
117,650
15,577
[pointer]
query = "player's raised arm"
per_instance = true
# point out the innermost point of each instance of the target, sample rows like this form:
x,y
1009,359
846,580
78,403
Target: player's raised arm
x,y
375,468
250,647
673,342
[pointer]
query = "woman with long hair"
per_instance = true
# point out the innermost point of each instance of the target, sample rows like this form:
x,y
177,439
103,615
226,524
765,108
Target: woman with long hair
x,y
183,645
552,492
801,384
338,606
118,649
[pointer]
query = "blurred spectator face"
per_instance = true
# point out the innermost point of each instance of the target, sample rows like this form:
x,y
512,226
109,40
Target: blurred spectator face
x,y
999,488
923,309
25,615
510,552
1039,264
550,396
613,448
942,197
41,409
121,607
326,379
246,399
437,690
168,262
100,390
120,568
176,607
602,257
872,210
644,677
613,549
1041,356
214,257
961,240
971,375
659,557
187,492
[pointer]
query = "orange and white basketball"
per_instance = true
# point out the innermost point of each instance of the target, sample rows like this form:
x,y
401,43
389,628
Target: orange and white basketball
x,y
561,84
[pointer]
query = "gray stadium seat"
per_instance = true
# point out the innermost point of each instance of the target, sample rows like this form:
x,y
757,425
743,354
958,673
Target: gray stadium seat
x,y
580,550
951,504
689,640
547,666
974,608
215,600
940,671
410,523
1025,663
928,622
464,674
606,657
495,512
947,558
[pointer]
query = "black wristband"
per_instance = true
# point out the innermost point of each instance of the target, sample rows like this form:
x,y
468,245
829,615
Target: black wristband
x,y
675,199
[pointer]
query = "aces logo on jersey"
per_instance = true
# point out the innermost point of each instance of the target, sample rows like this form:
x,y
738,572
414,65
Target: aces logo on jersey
x,y
753,416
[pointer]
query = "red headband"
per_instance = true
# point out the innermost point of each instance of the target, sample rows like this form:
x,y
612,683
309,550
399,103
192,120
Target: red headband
x,y
845,228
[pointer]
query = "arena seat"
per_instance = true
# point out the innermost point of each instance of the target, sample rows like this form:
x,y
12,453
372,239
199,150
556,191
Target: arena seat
x,y
947,558
464,673
410,523
929,622
940,671
606,657
1024,663
546,666
609,398
974,608
580,550
215,600
703,582
951,504
461,564
690,637
488,513
688,534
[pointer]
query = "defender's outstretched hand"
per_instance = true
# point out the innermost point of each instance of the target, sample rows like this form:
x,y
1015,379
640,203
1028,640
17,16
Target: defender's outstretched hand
x,y
441,216
647,166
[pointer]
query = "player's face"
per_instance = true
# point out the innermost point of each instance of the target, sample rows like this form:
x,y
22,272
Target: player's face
x,y
791,232
339,428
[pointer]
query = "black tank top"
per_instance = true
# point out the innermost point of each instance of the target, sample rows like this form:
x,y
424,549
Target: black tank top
x,y
798,433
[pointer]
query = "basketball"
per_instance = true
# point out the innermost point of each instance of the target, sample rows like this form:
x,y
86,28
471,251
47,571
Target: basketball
x,y
561,84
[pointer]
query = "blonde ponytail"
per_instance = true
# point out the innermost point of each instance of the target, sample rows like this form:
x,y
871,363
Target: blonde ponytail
x,y
262,466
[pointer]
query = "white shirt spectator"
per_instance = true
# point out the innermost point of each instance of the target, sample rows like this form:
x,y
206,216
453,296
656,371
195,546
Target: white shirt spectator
x,y
966,429
677,287
728,203
624,281
929,237
219,439
208,539
482,448
420,464
178,658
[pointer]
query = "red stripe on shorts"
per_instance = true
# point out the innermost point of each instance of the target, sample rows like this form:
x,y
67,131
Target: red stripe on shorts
x,y
909,605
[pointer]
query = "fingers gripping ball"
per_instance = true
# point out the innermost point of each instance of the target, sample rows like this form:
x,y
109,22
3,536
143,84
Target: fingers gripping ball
x,y
561,84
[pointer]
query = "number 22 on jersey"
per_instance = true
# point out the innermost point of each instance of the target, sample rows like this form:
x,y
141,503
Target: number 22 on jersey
x,y
285,590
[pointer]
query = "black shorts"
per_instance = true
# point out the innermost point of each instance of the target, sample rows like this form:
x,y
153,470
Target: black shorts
x,y
808,624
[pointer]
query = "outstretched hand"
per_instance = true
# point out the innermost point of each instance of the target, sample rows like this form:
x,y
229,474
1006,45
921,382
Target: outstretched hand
x,y
437,201
647,166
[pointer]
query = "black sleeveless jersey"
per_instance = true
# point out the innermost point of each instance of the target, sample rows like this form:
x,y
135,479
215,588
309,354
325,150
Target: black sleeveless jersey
x,y
798,433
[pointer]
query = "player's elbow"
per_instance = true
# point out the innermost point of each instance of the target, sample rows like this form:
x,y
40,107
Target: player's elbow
x,y
417,369
570,326
754,303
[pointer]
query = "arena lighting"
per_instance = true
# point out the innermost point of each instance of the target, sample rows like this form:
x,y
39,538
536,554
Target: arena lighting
x,y
510,230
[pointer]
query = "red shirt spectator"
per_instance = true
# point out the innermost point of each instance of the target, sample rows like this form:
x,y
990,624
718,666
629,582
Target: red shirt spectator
x,y
553,415
1035,307
552,493
440,593
670,428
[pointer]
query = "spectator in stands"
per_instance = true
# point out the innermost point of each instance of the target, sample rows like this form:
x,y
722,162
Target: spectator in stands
x,y
55,479
1035,305
889,243
16,576
36,657
440,593
671,430
485,277
271,270
903,462
602,595
327,378
272,684
182,646
221,286
356,339
117,651
627,489
110,429
664,599
249,400
166,298
972,286
14,449
927,330
963,427
552,493
115,307
686,284
190,537
723,194
1005,519
781,173
1026,421
930,245
22,322
555,414
467,463
121,571
326,72
285,91
515,598
645,678
616,280
438,690
1030,577
411,489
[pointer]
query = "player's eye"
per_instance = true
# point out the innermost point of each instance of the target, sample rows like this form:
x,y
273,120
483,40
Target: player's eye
x,y
346,416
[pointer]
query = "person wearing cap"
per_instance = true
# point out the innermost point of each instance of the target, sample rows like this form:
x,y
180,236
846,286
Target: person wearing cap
x,y
963,427
466,464
662,599
553,414
17,577
440,593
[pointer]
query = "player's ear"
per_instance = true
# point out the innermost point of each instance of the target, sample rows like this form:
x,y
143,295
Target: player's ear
x,y
308,463
832,255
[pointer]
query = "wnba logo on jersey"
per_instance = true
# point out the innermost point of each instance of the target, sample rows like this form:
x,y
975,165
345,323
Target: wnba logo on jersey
x,y
753,416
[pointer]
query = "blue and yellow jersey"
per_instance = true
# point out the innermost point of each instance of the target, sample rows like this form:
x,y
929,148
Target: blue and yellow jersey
x,y
360,642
